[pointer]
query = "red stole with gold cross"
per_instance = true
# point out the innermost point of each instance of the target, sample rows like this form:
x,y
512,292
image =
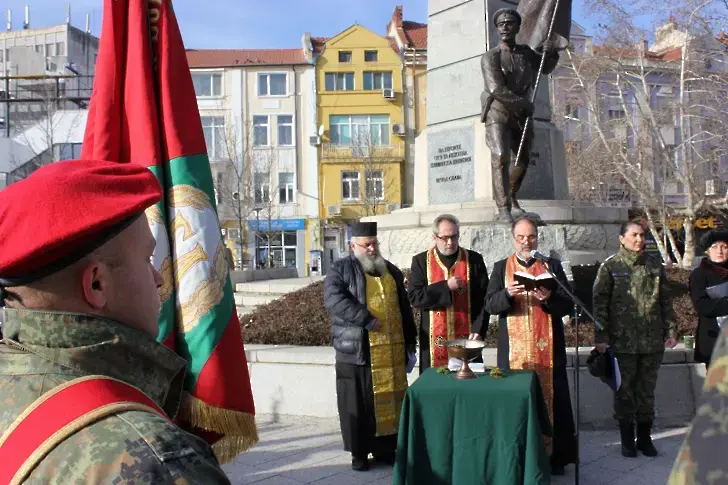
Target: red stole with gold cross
x,y
530,335
452,322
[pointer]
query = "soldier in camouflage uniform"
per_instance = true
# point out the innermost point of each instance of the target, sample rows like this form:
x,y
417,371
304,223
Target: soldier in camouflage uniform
x,y
702,458
630,300
83,301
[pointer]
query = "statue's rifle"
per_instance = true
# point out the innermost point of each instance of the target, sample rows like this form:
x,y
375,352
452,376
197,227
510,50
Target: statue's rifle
x,y
535,87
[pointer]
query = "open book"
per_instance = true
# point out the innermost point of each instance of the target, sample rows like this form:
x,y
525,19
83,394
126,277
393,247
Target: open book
x,y
544,280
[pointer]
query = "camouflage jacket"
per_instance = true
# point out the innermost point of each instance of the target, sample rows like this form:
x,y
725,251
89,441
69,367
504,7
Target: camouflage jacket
x,y
702,458
41,350
630,300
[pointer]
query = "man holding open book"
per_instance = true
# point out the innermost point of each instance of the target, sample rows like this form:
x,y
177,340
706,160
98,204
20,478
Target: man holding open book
x,y
530,306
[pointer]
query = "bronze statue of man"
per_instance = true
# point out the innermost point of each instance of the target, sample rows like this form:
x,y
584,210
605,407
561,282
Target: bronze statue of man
x,y
509,72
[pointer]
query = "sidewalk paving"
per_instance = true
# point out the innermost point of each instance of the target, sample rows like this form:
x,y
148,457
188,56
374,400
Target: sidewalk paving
x,y
296,450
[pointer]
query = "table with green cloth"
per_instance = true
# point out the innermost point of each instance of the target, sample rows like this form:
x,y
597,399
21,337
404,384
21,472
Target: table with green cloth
x,y
484,431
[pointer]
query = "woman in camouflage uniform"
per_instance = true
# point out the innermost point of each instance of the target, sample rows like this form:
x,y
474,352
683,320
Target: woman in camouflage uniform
x,y
630,300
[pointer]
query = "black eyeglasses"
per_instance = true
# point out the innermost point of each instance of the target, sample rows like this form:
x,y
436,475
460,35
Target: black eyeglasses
x,y
371,245
453,238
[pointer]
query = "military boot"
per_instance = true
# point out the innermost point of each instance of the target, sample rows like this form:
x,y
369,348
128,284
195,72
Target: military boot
x,y
644,440
626,432
516,209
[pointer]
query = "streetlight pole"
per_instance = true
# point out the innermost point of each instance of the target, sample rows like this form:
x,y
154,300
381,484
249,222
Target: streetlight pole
x,y
257,231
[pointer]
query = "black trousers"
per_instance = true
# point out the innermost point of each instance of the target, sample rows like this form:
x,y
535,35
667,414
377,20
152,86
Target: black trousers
x,y
355,400
564,444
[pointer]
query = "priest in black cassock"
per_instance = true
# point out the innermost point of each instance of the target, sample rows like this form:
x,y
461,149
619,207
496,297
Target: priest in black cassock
x,y
448,284
373,332
531,333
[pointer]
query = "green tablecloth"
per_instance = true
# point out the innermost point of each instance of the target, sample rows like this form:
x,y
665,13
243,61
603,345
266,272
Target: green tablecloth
x,y
482,431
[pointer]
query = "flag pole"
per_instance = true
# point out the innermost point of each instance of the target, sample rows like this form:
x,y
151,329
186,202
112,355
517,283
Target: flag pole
x,y
535,87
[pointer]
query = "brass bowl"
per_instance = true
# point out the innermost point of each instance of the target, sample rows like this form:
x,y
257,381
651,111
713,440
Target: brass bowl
x,y
467,351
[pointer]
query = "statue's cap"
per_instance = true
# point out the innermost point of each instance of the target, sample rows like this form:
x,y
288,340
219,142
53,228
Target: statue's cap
x,y
506,11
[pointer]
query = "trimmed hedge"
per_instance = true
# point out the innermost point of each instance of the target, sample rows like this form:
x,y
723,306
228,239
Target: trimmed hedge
x,y
299,318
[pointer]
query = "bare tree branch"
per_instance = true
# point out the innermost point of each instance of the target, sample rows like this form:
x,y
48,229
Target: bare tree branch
x,y
628,144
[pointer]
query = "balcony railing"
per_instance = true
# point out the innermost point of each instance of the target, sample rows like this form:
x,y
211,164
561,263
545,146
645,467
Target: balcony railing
x,y
24,100
45,89
367,152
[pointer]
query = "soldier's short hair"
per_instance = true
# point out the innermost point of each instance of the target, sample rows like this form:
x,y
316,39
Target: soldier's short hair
x,y
508,11
444,217
520,219
624,228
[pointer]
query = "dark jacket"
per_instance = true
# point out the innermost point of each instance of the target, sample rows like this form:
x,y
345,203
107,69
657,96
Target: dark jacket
x,y
704,276
437,295
499,302
345,298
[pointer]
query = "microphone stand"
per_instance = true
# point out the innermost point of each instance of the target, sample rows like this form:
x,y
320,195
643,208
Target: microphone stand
x,y
578,304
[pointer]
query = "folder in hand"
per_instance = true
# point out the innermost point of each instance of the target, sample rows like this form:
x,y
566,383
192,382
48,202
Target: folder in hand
x,y
717,291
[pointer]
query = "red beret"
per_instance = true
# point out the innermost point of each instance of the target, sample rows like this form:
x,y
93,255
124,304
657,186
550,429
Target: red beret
x,y
65,210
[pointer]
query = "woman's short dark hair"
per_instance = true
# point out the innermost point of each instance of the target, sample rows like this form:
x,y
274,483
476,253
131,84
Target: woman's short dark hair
x,y
626,225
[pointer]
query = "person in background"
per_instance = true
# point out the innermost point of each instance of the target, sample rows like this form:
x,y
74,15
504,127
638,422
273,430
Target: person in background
x,y
630,300
531,332
712,271
448,283
373,331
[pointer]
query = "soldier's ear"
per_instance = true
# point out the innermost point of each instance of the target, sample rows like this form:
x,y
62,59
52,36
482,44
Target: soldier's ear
x,y
95,285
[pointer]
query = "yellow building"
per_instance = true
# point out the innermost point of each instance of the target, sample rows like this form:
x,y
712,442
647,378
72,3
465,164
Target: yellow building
x,y
360,99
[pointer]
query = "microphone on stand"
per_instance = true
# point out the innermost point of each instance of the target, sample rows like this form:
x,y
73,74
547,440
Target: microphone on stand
x,y
540,256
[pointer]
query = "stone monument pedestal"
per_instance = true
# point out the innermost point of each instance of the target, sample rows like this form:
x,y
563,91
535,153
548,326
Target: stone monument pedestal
x,y
576,235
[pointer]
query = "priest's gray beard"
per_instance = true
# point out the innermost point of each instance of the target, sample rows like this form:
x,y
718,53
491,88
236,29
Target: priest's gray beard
x,y
448,252
373,265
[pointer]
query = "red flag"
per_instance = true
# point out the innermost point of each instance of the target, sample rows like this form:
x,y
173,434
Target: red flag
x,y
144,110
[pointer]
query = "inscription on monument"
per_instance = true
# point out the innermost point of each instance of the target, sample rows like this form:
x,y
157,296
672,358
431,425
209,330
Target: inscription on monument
x,y
450,161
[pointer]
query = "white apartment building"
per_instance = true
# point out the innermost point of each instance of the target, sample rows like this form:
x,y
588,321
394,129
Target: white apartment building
x,y
257,109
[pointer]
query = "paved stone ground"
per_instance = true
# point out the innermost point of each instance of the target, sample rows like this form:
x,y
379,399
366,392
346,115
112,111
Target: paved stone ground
x,y
295,450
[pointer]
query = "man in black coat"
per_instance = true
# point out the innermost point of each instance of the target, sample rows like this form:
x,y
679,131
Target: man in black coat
x,y
531,333
374,337
448,284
